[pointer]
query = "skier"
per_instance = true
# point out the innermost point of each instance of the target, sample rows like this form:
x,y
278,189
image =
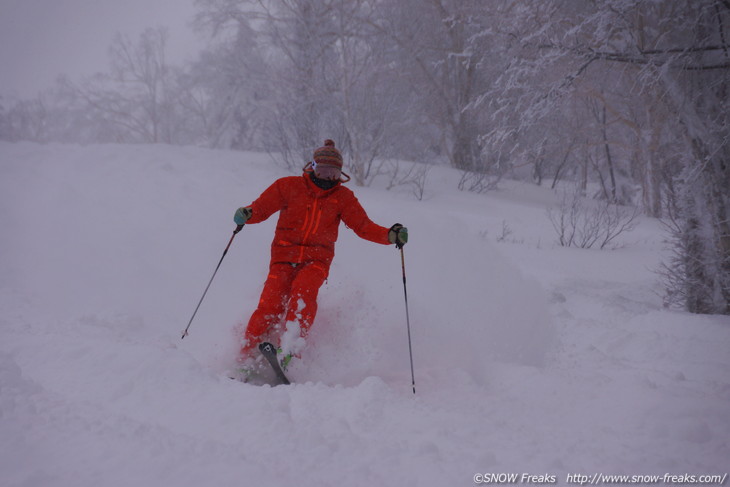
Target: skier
x,y
310,208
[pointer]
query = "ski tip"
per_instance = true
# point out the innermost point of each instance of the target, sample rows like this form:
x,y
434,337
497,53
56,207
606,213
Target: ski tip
x,y
266,347
270,352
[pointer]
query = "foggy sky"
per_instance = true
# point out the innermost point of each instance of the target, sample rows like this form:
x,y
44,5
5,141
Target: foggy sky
x,y
40,39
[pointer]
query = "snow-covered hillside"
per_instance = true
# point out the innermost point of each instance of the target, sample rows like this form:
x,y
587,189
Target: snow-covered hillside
x,y
529,357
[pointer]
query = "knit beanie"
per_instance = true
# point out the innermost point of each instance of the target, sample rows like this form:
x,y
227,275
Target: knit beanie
x,y
328,155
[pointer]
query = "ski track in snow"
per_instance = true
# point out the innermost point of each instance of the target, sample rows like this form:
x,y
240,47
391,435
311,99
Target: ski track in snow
x,y
528,357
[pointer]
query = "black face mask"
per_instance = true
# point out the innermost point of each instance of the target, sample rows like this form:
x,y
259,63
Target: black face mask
x,y
323,183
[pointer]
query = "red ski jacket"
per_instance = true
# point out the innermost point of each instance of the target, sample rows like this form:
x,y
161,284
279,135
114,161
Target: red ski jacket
x,y
309,219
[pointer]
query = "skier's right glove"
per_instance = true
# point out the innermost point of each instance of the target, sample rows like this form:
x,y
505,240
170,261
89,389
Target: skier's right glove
x,y
242,215
398,235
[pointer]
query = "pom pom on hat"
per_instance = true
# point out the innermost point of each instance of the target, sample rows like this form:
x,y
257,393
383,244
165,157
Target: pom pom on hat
x,y
328,155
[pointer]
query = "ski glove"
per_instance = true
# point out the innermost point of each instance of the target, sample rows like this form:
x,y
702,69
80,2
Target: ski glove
x,y
242,215
398,235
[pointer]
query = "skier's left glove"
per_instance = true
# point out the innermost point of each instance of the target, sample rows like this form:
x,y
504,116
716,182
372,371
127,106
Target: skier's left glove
x,y
398,235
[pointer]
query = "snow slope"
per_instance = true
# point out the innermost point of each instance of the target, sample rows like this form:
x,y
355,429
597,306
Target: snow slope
x,y
529,357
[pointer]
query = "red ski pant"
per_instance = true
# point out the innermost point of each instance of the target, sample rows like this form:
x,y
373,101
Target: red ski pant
x,y
290,294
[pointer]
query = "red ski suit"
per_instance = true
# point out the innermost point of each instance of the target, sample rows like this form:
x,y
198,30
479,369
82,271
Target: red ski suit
x,y
302,250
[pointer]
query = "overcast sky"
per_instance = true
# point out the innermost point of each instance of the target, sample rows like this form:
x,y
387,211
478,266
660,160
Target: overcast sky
x,y
40,39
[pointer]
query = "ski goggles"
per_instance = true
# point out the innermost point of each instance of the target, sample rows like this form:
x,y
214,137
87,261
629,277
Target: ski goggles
x,y
324,171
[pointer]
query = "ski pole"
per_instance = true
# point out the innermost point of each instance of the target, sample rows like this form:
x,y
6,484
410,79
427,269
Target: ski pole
x,y
408,320
238,229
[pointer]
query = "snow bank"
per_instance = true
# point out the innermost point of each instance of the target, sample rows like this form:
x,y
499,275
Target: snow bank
x,y
528,357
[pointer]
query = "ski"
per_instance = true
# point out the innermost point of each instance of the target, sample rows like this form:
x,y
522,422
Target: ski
x,y
269,352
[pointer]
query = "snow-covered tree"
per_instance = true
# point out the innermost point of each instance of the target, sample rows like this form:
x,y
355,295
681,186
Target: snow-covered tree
x,y
590,69
138,94
227,87
698,90
446,54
